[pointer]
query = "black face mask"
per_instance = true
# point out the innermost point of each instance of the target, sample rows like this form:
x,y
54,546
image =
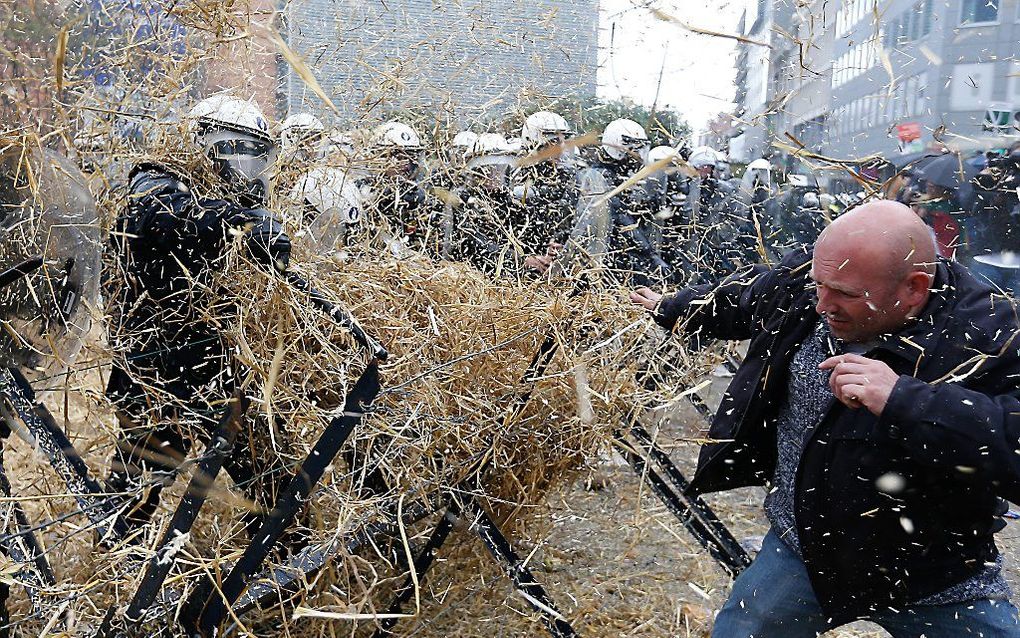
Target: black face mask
x,y
241,163
248,193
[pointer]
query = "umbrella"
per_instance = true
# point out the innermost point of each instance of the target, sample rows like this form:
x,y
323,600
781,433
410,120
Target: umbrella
x,y
913,160
948,171
1007,260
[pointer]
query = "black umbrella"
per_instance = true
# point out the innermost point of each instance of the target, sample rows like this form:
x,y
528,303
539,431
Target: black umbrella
x,y
913,160
948,171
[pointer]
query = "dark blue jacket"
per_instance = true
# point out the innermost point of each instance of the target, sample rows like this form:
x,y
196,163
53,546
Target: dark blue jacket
x,y
951,430
169,243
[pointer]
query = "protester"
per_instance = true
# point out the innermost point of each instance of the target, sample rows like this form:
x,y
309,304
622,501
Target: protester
x,y
936,207
878,401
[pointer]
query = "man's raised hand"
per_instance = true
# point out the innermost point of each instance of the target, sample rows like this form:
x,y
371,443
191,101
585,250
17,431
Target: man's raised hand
x,y
860,382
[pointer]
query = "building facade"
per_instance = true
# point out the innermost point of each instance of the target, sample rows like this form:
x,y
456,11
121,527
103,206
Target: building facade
x,y
953,62
754,64
860,77
466,59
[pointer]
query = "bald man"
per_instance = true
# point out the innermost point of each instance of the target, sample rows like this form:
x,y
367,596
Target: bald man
x,y
879,403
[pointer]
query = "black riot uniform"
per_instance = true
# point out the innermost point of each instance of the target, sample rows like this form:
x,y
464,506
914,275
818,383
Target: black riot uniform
x,y
712,227
548,196
411,212
994,221
483,233
177,371
634,245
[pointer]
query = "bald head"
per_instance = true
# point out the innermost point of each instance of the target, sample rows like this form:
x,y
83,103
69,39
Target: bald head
x,y
885,233
873,268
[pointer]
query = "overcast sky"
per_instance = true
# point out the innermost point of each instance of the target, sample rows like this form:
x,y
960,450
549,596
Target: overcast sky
x,y
698,77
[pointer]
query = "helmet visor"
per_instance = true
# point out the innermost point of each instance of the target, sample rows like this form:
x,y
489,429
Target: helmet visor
x,y
247,158
555,136
490,171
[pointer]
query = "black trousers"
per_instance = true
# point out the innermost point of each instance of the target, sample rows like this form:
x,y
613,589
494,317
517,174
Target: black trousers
x,y
158,429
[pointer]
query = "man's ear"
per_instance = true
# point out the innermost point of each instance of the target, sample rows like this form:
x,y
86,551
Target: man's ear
x,y
918,285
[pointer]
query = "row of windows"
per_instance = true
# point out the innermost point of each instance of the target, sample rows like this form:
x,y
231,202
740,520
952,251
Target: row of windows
x,y
855,62
909,99
979,11
850,13
913,24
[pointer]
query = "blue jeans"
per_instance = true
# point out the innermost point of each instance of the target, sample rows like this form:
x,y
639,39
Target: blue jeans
x,y
773,599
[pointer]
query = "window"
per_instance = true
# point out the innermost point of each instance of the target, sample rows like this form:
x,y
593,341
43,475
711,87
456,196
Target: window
x,y
970,86
908,20
922,93
926,19
913,96
894,33
979,12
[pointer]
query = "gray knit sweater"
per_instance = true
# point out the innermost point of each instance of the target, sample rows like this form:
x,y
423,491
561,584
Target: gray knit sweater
x,y
807,401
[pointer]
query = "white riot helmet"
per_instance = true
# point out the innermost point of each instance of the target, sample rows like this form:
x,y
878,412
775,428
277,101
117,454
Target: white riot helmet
x,y
300,128
334,202
490,159
330,191
400,148
660,153
462,142
757,180
460,148
339,143
396,136
623,137
757,172
489,145
235,135
228,113
542,128
703,156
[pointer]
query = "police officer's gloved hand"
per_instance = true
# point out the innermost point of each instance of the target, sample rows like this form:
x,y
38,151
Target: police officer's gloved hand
x,y
267,242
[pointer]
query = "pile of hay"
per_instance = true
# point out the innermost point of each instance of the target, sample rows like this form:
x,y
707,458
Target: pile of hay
x,y
454,386
451,419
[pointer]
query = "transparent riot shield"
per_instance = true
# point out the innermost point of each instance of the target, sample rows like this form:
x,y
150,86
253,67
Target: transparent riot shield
x,y
46,211
588,242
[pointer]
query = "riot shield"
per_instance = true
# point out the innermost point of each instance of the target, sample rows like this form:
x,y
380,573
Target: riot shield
x,y
46,211
588,241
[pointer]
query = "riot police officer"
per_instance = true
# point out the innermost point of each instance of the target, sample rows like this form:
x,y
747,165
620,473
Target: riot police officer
x,y
177,372
633,254
397,202
485,210
546,186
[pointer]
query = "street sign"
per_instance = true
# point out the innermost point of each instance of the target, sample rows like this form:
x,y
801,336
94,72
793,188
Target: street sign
x,y
1001,119
908,131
